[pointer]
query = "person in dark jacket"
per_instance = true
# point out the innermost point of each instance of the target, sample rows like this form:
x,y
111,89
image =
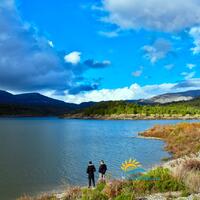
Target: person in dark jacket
x,y
102,170
90,171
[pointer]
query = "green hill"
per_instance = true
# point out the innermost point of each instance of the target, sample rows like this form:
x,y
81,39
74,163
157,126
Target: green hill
x,y
181,109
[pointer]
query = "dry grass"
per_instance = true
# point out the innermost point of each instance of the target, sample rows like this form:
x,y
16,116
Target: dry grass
x,y
192,181
113,188
192,165
181,139
188,171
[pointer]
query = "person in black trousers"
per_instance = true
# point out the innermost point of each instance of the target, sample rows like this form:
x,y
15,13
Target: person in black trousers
x,y
90,171
102,170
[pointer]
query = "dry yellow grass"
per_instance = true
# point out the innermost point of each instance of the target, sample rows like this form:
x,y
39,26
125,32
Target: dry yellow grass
x,y
181,139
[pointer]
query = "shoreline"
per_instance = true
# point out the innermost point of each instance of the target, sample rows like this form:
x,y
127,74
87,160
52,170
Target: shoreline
x,y
106,117
129,117
149,138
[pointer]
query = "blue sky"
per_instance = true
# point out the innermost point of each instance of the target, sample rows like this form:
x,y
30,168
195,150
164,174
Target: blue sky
x,y
86,50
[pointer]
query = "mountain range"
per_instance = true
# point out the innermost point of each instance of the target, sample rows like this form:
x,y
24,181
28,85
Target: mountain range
x,y
175,97
35,104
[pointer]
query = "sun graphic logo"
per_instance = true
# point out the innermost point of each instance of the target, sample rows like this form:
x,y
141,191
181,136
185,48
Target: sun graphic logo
x,y
130,165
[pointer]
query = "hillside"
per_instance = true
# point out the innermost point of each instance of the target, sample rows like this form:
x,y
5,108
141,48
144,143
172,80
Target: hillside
x,y
32,104
175,97
35,104
123,109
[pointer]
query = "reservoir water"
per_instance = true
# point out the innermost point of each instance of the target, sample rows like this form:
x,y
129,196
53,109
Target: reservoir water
x,y
44,154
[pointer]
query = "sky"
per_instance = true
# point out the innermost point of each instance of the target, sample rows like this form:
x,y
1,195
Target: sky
x,y
98,50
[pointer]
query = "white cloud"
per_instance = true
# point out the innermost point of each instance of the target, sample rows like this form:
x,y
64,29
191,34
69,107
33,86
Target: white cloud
x,y
195,34
50,43
73,57
161,15
188,75
135,91
190,66
157,51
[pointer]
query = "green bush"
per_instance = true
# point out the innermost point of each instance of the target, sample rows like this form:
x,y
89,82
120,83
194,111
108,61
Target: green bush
x,y
100,186
157,180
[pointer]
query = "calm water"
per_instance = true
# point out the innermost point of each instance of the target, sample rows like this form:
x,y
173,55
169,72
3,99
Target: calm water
x,y
38,155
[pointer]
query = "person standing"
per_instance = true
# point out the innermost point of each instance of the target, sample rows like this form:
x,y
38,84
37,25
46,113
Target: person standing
x,y
102,170
90,171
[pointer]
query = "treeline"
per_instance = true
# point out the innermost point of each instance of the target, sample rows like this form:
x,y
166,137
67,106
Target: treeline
x,y
122,107
31,110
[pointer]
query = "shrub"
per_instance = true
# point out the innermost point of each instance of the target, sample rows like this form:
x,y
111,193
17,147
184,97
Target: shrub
x,y
100,186
157,180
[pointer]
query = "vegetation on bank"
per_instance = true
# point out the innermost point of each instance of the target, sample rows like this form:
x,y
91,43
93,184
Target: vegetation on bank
x,y
181,109
31,110
181,139
160,180
182,180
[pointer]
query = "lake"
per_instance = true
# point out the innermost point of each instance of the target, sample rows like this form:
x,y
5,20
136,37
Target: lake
x,y
44,154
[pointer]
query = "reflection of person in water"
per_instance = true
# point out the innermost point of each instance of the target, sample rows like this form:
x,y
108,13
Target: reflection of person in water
x,y
90,171
102,170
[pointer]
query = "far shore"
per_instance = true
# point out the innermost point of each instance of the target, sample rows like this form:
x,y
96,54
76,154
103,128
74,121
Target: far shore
x,y
109,117
130,117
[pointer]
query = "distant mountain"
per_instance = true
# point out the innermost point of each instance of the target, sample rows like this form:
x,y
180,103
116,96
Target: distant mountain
x,y
35,104
174,97
32,104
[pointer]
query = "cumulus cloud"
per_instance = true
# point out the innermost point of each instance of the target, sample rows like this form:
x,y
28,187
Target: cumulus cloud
x,y
158,50
73,57
135,91
29,63
167,15
195,34
96,64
